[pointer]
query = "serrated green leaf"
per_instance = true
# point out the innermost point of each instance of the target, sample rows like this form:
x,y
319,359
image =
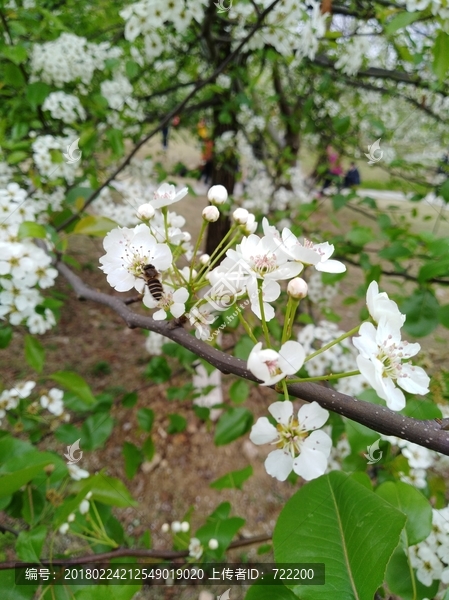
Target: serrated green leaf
x,y
412,503
76,384
34,353
95,226
335,520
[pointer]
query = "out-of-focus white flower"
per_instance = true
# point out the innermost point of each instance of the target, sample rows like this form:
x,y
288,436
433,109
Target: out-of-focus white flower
x,y
176,526
77,473
195,548
204,259
306,454
84,506
166,194
213,544
211,214
297,288
165,528
271,366
217,194
53,401
64,528
154,342
185,526
380,362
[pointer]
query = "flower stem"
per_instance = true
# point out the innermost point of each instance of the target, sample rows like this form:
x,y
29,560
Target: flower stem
x,y
285,388
292,306
262,313
324,377
247,327
197,245
336,341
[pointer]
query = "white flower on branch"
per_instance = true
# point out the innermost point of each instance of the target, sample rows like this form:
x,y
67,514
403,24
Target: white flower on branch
x,y
310,253
380,305
127,253
53,401
166,194
380,362
271,366
173,302
306,454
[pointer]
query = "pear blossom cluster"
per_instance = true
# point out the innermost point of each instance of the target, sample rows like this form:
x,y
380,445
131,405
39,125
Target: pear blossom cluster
x,y
42,155
51,400
430,558
70,58
65,107
83,509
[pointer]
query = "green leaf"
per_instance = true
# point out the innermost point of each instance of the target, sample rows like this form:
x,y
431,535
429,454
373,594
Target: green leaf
x,y
34,353
96,430
223,530
232,424
233,479
359,236
17,54
106,592
401,20
441,55
133,459
421,409
115,137
16,157
412,503
400,582
28,229
437,268
239,391
335,520
108,490
338,201
443,316
158,370
76,384
13,76
145,418
37,92
148,448
11,482
130,399
177,424
243,347
95,226
5,336
30,543
13,591
422,310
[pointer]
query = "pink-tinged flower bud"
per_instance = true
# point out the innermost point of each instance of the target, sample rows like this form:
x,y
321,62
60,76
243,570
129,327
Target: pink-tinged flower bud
x,y
204,259
240,215
297,288
211,214
145,212
217,194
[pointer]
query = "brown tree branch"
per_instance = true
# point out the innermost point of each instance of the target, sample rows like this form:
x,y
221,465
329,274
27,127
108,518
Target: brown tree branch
x,y
427,433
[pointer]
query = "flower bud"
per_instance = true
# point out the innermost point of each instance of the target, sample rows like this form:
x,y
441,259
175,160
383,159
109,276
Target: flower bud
x,y
165,528
64,528
240,215
84,507
185,526
250,225
297,288
213,544
186,236
217,194
176,526
145,212
204,259
211,214
71,517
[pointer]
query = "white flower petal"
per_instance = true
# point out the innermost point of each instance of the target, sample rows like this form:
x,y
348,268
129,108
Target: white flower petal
x,y
312,416
263,432
279,464
281,411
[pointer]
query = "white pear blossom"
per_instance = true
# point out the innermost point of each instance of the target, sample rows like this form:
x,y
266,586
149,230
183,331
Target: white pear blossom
x,y
166,194
271,366
195,548
128,251
53,401
306,454
379,305
380,362
77,472
310,253
173,302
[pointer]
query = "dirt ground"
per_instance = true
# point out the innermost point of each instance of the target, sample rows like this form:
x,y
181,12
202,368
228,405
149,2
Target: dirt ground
x,y
187,462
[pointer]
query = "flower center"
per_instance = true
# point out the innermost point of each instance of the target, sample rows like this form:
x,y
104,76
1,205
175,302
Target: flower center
x,y
264,263
291,437
390,355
